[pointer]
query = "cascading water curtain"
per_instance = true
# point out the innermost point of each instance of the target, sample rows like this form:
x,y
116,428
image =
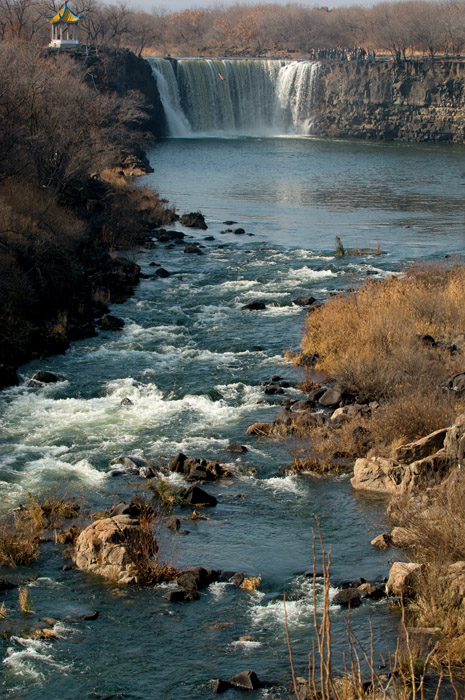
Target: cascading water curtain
x,y
212,97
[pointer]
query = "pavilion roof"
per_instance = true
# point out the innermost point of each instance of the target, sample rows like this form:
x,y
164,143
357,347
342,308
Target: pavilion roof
x,y
64,15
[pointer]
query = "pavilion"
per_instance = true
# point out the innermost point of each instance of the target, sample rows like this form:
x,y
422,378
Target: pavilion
x,y
64,28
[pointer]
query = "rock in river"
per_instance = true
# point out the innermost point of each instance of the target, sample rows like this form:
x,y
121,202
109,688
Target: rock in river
x,y
111,547
254,306
195,496
194,220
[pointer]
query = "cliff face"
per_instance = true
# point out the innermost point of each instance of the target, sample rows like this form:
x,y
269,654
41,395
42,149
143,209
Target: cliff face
x,y
411,101
121,71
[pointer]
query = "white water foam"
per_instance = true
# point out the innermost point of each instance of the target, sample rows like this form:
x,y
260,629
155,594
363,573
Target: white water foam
x,y
299,606
246,644
218,589
284,484
29,659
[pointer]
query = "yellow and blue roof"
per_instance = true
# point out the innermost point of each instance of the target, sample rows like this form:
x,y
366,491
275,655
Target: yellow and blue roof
x,y
64,15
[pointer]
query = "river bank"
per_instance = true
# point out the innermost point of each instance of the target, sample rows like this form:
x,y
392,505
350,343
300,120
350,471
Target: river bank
x,y
67,199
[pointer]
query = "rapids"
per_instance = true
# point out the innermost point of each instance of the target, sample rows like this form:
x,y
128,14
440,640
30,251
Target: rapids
x,y
192,362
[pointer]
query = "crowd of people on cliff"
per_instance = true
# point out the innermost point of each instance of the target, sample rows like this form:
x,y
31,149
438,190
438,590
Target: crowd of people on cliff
x,y
339,53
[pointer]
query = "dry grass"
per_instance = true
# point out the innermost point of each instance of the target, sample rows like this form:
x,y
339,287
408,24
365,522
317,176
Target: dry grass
x,y
20,531
19,539
24,600
434,523
369,339
359,679
251,583
142,548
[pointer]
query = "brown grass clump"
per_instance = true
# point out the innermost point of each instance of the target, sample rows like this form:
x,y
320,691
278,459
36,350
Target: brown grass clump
x,y
143,550
251,583
20,531
19,539
24,600
369,339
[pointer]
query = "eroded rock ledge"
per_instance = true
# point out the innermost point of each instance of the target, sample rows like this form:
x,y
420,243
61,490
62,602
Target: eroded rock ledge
x,y
407,101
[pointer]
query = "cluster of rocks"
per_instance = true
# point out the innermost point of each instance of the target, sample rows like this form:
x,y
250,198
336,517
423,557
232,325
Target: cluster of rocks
x,y
421,472
195,469
307,301
191,581
131,465
352,593
326,404
418,464
239,231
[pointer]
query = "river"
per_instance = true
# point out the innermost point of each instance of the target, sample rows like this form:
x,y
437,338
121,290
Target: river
x,y
193,362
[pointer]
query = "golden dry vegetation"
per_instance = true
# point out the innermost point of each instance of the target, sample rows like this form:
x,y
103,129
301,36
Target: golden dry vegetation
x,y
397,343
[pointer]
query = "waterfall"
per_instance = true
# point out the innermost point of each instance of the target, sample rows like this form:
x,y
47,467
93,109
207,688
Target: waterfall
x,y
236,97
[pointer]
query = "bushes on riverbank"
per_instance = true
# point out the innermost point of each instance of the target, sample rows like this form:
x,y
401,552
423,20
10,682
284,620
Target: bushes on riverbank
x,y
60,218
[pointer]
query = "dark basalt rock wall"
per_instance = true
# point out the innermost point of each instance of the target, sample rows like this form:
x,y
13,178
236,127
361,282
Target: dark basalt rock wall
x,y
121,71
407,101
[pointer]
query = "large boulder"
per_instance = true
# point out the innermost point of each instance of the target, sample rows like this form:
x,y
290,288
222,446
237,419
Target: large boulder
x,y
331,397
195,496
193,249
246,680
115,548
254,306
380,475
424,447
429,470
402,578
194,220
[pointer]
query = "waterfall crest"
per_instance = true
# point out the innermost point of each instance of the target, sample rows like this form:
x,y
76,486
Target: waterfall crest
x,y
227,97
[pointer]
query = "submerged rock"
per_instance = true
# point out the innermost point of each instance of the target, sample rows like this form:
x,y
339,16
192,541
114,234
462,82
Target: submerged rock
x,y
110,323
45,377
237,448
193,249
347,598
161,272
304,300
254,306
